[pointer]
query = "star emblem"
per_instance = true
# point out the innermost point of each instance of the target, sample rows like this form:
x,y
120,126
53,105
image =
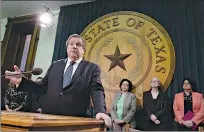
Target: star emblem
x,y
117,59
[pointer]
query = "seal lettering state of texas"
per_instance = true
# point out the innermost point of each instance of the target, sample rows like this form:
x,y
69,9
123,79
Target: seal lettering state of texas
x,y
129,45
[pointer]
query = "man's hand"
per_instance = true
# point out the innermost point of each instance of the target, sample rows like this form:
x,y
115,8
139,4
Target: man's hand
x,y
39,110
157,121
14,79
153,117
106,119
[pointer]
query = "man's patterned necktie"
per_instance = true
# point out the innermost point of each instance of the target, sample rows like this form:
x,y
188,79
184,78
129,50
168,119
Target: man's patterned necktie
x,y
68,74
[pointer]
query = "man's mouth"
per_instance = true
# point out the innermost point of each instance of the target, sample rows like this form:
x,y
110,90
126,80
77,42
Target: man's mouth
x,y
74,51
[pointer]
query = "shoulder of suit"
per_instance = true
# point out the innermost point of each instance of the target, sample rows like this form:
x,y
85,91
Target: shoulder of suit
x,y
131,95
198,94
179,94
146,92
59,61
163,93
91,63
117,93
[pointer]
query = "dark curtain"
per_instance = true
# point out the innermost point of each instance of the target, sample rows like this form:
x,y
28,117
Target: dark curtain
x,y
182,19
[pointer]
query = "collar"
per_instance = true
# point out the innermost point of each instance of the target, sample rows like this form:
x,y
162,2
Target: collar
x,y
187,95
76,62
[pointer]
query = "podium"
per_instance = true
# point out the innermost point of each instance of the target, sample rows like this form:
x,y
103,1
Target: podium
x,y
25,121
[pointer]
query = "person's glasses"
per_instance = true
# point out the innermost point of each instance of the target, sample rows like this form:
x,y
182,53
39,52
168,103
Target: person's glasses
x,y
154,81
125,84
186,83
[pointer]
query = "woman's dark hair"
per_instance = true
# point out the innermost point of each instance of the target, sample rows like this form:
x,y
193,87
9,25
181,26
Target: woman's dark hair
x,y
129,82
192,83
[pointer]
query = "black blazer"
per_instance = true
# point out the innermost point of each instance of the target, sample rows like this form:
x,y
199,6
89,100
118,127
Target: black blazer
x,y
75,98
161,109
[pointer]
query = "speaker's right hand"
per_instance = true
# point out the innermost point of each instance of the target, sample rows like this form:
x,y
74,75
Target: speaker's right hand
x,y
153,117
15,79
157,121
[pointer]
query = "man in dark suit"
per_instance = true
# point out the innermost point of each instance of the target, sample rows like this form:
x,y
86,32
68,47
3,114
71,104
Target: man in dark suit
x,y
68,84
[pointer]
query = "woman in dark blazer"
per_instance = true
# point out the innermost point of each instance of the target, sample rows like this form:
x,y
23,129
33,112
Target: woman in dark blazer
x,y
124,107
156,105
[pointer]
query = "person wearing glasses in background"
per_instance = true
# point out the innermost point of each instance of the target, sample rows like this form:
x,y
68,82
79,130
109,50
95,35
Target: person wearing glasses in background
x,y
156,105
124,107
188,101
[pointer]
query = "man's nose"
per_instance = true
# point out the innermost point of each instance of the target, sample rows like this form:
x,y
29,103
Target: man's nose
x,y
74,45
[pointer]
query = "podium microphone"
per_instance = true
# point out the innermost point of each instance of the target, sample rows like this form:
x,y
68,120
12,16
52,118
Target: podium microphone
x,y
36,71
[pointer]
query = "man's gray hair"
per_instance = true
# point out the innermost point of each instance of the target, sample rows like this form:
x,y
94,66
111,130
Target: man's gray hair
x,y
76,36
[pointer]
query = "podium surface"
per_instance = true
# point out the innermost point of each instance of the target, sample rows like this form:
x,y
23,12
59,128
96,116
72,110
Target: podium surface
x,y
26,121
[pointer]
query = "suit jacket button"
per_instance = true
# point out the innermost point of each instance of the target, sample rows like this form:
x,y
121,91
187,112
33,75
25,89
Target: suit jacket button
x,y
61,93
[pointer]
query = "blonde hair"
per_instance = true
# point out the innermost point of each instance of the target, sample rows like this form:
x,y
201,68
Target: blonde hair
x,y
160,83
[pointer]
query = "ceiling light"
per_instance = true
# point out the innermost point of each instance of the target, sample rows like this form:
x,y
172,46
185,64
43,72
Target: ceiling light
x,y
46,18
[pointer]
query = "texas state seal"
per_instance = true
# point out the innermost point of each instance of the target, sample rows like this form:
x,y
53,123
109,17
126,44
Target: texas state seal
x,y
130,45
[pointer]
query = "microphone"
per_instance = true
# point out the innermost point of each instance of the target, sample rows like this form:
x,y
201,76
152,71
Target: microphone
x,y
36,71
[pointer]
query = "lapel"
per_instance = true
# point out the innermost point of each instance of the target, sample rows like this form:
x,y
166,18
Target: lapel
x,y
150,100
181,99
126,101
118,95
194,99
159,99
126,97
61,72
78,71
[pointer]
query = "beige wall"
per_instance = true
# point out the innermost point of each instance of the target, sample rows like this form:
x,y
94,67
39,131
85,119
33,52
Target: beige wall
x,y
45,45
3,28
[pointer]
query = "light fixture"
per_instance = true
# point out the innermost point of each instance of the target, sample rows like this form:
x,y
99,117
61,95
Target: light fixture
x,y
46,18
